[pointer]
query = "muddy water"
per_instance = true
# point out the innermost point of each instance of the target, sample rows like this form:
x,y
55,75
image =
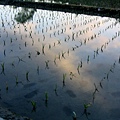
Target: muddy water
x,y
62,62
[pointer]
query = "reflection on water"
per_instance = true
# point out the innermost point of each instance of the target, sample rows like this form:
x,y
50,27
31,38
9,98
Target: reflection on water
x,y
62,62
24,15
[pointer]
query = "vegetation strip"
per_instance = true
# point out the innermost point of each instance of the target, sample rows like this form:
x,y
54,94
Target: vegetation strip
x,y
72,8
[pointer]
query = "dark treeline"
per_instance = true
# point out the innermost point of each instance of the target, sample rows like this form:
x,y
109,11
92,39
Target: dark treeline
x,y
99,3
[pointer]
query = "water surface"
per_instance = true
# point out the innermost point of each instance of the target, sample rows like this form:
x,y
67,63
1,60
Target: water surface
x,y
73,58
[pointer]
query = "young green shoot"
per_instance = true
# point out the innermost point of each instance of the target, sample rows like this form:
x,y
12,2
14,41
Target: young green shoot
x,y
46,63
16,80
81,63
33,106
20,59
68,52
3,68
25,44
95,90
72,75
4,53
59,42
74,116
78,69
59,56
55,61
88,59
46,99
13,65
38,53
6,86
27,74
43,49
49,46
101,83
38,70
55,89
4,42
119,60
107,76
64,78
29,55
63,54
97,51
86,106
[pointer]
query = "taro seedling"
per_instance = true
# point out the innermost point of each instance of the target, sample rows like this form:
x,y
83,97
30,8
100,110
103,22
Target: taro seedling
x,y
33,106
13,64
49,46
119,60
32,42
38,53
63,54
72,75
16,80
43,37
96,90
4,42
46,98
102,48
64,78
55,89
94,55
74,116
59,56
43,49
114,64
55,61
4,53
27,74
86,113
111,70
29,55
97,51
101,84
85,41
3,68
68,52
20,59
107,75
46,63
88,59
54,44
25,44
78,69
6,86
59,42
81,63
38,70
11,40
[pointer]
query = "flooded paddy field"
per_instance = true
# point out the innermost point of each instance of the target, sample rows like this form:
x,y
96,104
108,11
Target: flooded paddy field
x,y
59,66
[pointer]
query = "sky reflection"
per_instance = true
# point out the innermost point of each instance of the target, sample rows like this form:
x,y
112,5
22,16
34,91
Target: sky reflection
x,y
50,45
